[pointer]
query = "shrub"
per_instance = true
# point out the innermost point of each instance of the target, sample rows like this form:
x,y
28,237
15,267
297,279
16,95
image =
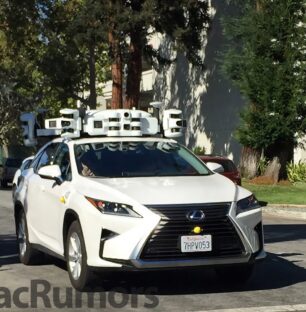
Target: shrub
x,y
296,172
262,165
198,150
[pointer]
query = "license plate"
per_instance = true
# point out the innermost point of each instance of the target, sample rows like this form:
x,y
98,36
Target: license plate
x,y
196,243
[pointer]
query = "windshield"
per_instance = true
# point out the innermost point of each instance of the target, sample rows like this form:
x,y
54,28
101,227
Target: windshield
x,y
137,159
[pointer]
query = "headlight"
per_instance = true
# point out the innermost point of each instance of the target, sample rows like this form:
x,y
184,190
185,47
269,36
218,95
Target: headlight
x,y
247,203
113,208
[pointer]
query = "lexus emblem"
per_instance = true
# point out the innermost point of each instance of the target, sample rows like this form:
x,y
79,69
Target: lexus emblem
x,y
195,215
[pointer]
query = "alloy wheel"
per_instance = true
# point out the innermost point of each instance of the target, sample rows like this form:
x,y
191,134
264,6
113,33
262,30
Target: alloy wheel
x,y
75,256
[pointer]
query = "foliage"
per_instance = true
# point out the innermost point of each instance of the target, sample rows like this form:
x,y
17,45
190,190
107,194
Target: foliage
x,y
52,49
133,24
199,150
296,172
262,165
50,56
266,60
75,55
60,51
11,104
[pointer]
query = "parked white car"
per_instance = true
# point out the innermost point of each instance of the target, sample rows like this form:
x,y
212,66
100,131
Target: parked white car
x,y
134,203
25,165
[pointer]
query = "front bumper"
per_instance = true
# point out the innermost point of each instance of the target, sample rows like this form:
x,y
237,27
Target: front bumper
x,y
140,265
239,239
247,258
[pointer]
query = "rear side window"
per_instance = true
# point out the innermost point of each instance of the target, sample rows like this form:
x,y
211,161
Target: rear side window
x,y
46,157
228,165
62,159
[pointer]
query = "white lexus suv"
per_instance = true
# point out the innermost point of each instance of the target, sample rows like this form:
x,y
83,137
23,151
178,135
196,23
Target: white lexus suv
x,y
137,203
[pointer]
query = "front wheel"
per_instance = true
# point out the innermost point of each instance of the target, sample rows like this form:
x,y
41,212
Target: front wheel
x,y
239,274
76,257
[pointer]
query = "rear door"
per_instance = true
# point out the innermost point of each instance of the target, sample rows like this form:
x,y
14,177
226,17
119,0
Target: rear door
x,y
36,204
54,197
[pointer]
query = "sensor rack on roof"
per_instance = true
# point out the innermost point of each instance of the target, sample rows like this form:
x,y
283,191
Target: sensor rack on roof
x,y
74,123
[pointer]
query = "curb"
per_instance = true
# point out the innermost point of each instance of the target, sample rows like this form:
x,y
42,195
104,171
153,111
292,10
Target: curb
x,y
288,211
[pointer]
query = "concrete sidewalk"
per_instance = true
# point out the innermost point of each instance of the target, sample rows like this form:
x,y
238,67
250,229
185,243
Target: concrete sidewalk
x,y
288,211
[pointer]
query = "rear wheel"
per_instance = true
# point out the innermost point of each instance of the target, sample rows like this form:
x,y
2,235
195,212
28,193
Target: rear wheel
x,y
235,274
76,257
14,187
27,254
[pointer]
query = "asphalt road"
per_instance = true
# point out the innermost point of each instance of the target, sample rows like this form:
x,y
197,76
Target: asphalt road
x,y
278,283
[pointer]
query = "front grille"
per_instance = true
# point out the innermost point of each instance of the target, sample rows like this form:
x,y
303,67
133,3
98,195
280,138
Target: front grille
x,y
164,242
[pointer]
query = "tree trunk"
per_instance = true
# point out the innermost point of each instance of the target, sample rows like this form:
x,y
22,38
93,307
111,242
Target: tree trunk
x,y
116,71
92,101
283,150
259,5
134,71
249,162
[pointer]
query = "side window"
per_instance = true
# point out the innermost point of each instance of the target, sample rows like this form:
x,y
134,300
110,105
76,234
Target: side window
x,y
47,156
62,159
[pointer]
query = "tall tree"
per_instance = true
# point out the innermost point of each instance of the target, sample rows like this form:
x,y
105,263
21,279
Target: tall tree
x,y
70,42
267,61
132,23
19,77
73,36
64,40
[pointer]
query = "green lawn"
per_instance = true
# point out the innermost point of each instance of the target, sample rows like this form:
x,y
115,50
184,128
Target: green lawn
x,y
279,194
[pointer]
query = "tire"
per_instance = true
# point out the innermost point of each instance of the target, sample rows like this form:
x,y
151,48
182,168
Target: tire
x,y
27,255
239,274
76,257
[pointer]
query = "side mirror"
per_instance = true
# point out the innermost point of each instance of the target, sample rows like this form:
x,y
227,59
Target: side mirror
x,y
52,172
215,167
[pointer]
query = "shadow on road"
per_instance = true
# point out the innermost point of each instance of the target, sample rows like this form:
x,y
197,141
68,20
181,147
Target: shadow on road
x,y
8,188
275,233
9,254
273,273
277,271
8,250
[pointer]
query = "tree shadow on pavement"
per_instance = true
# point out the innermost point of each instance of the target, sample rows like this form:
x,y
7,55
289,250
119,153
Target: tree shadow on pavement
x,y
275,272
8,250
275,233
9,253
7,188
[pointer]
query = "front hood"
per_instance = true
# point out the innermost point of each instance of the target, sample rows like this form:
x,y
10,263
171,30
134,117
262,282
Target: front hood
x,y
173,190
